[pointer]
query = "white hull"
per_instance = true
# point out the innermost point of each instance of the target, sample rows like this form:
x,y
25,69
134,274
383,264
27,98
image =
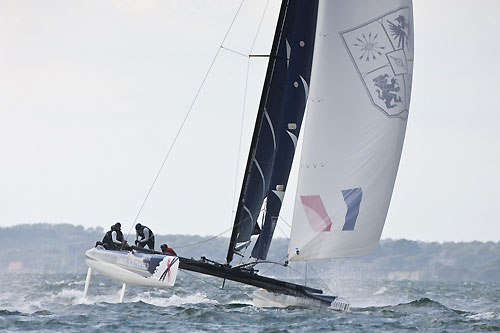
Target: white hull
x,y
144,269
263,298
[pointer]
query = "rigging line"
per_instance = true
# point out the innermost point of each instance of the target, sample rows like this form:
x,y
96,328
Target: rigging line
x,y
241,138
321,282
319,278
275,266
205,240
286,236
244,253
285,221
244,108
257,262
203,280
258,126
260,26
185,118
234,51
211,238
244,102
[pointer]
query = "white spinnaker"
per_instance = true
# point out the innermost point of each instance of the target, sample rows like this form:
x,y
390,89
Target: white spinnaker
x,y
356,122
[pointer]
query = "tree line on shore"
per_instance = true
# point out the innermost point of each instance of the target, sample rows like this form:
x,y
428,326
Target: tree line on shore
x,y
60,248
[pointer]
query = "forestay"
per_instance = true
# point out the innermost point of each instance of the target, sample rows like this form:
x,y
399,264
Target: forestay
x,y
356,122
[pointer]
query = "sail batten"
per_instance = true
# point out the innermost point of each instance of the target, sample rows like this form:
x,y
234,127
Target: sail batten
x,y
360,95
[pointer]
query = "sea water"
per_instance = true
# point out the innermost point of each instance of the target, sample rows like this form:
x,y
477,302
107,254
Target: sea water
x,y
48,303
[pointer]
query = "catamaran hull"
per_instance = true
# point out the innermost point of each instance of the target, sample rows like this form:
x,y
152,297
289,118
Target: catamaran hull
x,y
144,269
271,292
263,298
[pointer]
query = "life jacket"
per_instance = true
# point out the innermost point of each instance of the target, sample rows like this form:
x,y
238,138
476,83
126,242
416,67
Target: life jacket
x,y
169,251
119,235
108,240
141,232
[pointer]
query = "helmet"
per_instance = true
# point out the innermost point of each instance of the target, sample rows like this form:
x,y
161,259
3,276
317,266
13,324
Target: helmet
x,y
164,246
138,226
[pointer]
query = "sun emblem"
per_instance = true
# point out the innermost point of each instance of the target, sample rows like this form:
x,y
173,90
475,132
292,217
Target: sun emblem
x,y
368,47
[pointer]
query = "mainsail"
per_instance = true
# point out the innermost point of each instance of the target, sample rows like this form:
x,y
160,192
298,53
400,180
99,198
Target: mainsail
x,y
356,123
277,126
357,57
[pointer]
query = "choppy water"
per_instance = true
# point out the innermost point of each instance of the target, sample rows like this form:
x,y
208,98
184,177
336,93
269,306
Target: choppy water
x,y
46,303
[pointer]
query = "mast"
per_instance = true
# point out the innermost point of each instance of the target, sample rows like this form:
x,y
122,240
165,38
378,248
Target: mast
x,y
277,127
258,126
300,42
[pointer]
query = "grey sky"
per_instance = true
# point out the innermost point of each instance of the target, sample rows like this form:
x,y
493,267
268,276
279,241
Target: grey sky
x,y
92,93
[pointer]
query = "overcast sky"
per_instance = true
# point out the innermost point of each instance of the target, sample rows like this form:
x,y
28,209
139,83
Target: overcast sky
x,y
93,92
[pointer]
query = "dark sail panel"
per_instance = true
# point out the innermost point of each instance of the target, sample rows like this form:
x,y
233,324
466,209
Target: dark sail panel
x,y
300,41
278,121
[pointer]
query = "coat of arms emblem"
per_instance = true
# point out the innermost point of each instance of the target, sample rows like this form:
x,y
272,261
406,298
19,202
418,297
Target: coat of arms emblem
x,y
382,52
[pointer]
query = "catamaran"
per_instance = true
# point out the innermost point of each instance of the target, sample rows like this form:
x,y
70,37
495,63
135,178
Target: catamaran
x,y
349,62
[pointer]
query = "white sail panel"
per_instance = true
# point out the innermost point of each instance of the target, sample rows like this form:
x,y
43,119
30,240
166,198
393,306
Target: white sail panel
x,y
356,121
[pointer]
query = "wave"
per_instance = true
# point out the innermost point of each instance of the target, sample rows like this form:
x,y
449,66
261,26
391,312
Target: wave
x,y
72,296
156,298
173,300
429,303
240,303
428,306
42,313
484,315
19,305
4,313
424,301
381,291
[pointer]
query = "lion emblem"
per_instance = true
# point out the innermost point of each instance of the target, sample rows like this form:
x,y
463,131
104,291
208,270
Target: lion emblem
x,y
386,91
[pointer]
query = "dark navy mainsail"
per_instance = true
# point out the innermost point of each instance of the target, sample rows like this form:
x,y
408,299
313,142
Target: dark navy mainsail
x,y
277,127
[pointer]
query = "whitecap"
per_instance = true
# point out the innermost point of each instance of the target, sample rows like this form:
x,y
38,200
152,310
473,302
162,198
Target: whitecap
x,y
380,291
484,315
16,303
72,296
76,283
173,300
242,301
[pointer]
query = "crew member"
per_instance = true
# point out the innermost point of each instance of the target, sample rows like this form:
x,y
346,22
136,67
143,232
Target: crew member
x,y
144,236
113,240
168,251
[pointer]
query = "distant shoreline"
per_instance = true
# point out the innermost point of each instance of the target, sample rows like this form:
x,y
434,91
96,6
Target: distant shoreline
x,y
60,248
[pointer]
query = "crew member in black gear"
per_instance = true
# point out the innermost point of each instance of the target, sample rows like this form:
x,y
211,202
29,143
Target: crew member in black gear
x,y
106,239
144,236
113,240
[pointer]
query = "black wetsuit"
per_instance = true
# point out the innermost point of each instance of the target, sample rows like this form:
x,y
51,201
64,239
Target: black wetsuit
x,y
108,240
150,242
